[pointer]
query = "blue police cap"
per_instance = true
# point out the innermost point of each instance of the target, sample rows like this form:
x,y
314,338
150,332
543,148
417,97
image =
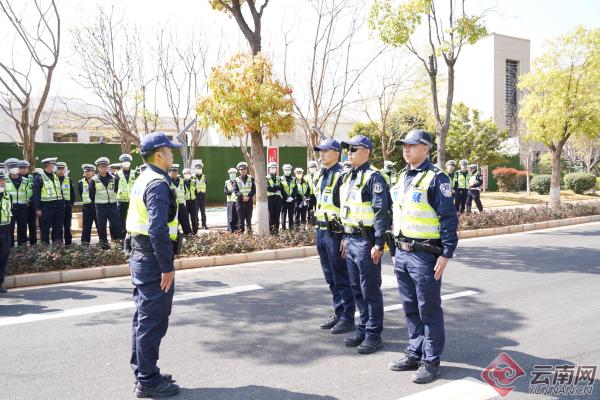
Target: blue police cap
x,y
156,140
358,140
328,144
417,136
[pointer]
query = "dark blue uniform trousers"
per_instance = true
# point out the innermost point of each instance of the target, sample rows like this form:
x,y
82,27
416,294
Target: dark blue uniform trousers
x,y
104,213
244,214
20,219
89,218
5,234
365,280
53,216
422,304
151,317
232,216
336,274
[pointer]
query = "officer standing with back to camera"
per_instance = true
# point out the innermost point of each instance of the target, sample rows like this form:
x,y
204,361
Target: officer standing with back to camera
x,y
475,186
329,238
274,198
5,220
365,216
124,179
152,242
425,234
17,187
244,189
103,194
48,202
88,208
68,191
232,219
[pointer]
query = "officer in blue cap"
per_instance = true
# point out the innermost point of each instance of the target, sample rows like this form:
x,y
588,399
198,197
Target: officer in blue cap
x,y
365,217
153,242
329,238
424,226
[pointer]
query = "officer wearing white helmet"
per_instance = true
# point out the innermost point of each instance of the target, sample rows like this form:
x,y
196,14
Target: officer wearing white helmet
x,y
31,218
312,177
88,208
17,187
124,179
274,197
190,193
244,189
289,193
302,197
232,219
114,168
182,213
462,186
475,186
48,202
201,182
389,173
451,171
103,193
68,190
5,231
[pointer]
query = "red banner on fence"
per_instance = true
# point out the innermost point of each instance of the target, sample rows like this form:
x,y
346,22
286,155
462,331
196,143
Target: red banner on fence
x,y
273,156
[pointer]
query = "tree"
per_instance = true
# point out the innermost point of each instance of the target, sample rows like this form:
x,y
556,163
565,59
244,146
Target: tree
x,y
562,96
40,43
472,138
246,99
582,150
446,36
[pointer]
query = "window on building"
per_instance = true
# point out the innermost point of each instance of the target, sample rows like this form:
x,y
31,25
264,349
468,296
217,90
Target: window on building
x,y
511,93
60,137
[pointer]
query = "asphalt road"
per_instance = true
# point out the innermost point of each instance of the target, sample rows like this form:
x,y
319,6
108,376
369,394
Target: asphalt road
x,y
251,331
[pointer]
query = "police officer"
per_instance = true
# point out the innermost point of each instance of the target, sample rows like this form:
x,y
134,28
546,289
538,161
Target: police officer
x,y
329,238
88,207
232,219
365,216
68,191
17,187
152,226
425,224
274,198
312,177
201,182
189,186
451,171
346,167
31,217
244,189
5,229
475,186
302,197
462,186
178,185
48,202
103,194
389,174
114,168
124,179
289,194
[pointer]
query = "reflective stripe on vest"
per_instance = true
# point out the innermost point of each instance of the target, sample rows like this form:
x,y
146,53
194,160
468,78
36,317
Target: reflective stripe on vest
x,y
302,188
20,195
104,194
137,214
244,188
66,188
325,199
463,180
413,215
180,191
85,193
124,186
232,197
271,183
310,178
5,209
473,181
201,184
353,210
190,191
288,188
50,188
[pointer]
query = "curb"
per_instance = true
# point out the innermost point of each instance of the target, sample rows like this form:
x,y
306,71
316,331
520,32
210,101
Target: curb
x,y
74,275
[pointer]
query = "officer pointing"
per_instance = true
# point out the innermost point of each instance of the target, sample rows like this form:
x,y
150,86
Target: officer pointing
x,y
152,228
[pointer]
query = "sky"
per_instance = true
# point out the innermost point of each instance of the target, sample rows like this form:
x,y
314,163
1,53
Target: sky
x,y
537,20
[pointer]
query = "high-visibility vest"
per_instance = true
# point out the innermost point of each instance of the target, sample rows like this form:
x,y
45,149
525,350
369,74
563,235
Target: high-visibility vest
x,y
104,194
50,188
201,183
85,193
353,208
20,195
288,188
270,183
463,180
311,179
190,193
244,188
325,199
137,214
5,209
473,181
66,188
231,198
413,215
302,187
453,178
124,186
180,191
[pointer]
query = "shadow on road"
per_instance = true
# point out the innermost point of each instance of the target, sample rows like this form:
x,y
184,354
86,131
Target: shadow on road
x,y
252,392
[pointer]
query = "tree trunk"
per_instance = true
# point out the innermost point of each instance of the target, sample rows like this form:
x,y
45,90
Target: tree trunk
x,y
262,209
125,146
555,181
384,148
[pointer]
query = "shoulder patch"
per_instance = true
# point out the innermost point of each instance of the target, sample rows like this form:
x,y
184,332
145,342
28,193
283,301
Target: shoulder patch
x,y
446,189
378,187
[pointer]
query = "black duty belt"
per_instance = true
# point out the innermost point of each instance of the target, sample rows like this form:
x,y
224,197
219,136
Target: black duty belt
x,y
142,244
350,230
322,224
433,246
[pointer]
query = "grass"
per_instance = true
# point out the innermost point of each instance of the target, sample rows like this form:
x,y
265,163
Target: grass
x,y
504,199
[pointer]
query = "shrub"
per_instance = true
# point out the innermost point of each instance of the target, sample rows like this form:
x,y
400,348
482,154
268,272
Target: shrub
x,y
541,184
598,183
580,182
510,179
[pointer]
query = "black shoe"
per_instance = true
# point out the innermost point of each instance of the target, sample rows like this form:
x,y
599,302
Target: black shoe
x,y
426,373
205,227
163,389
406,363
370,346
330,322
164,377
104,245
355,340
3,290
343,326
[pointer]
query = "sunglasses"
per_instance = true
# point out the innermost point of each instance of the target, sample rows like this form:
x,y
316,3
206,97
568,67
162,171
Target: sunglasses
x,y
354,149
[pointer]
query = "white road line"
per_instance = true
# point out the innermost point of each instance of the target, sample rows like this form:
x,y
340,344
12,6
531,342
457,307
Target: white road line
x,y
463,389
121,305
444,297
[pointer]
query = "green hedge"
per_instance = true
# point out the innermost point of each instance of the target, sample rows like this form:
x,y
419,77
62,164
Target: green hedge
x,y
541,184
580,182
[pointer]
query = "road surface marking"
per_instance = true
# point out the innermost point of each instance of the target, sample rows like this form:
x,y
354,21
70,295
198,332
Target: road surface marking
x,y
121,305
463,389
